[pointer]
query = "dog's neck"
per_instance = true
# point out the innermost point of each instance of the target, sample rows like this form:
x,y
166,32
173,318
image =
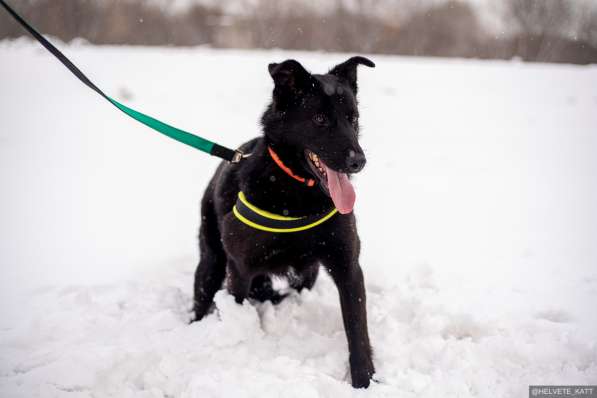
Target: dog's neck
x,y
289,171
270,187
291,157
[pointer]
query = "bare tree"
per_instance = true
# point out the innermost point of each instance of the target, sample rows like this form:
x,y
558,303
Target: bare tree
x,y
537,23
540,17
588,23
449,29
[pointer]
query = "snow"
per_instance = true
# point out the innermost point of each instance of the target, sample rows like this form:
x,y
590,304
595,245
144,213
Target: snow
x,y
476,211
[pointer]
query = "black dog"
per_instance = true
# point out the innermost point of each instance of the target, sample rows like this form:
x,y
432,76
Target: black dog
x,y
298,174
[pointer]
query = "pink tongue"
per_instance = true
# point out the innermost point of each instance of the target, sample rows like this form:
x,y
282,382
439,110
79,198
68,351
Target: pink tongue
x,y
341,190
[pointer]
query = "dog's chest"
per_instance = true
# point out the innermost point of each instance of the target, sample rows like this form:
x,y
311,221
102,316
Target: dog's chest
x,y
271,251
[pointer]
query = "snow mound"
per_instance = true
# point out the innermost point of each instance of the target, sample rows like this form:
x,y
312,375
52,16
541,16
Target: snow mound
x,y
134,339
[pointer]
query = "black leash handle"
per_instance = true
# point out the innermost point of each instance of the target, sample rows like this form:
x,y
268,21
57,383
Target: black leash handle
x,y
177,134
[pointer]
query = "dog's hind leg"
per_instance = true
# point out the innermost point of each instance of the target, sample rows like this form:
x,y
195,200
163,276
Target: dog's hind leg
x,y
305,279
211,270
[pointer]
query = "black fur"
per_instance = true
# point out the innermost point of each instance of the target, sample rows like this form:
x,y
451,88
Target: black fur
x,y
308,111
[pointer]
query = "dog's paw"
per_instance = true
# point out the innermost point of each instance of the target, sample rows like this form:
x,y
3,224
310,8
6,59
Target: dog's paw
x,y
201,310
364,383
362,378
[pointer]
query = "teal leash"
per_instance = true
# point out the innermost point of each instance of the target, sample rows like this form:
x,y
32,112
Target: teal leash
x,y
177,134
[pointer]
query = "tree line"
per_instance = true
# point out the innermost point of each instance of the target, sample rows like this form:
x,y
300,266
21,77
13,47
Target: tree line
x,y
531,30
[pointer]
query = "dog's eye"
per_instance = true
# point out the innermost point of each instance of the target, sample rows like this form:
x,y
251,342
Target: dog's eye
x,y
320,119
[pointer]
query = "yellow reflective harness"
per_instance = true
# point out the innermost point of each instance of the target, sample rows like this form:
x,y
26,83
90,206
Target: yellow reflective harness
x,y
257,218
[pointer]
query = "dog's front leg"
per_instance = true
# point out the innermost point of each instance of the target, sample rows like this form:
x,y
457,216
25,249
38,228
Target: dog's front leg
x,y
351,288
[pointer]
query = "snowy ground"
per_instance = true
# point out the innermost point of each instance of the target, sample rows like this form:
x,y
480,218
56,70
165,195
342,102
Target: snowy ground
x,y
476,211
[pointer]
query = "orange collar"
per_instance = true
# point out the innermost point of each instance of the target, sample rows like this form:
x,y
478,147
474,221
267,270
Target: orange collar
x,y
310,182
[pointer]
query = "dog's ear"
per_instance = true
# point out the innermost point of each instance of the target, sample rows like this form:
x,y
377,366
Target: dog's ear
x,y
290,74
348,70
291,80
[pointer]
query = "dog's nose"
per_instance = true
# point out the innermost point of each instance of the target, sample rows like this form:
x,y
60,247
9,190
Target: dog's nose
x,y
355,161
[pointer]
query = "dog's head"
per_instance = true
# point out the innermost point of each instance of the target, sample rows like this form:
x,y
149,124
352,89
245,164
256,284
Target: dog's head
x,y
317,117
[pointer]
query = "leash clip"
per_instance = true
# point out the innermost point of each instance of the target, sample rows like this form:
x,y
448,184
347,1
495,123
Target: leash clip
x,y
239,155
